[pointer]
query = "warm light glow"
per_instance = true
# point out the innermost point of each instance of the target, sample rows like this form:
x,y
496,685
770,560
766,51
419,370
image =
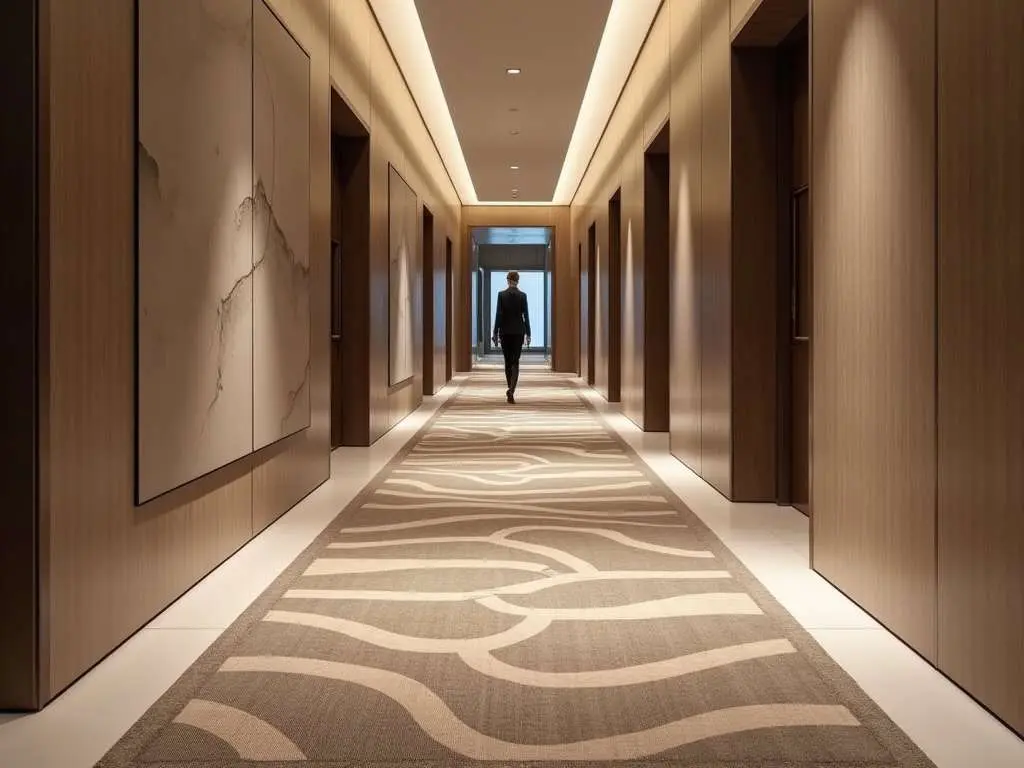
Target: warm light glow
x,y
624,34
400,22
514,167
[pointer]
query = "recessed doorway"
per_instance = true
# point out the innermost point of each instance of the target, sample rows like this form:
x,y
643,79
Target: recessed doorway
x,y
350,259
496,251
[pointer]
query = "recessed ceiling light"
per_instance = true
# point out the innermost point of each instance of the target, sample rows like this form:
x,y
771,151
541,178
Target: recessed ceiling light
x,y
514,167
514,70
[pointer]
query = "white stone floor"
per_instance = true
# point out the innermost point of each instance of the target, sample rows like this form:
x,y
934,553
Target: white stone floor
x,y
77,729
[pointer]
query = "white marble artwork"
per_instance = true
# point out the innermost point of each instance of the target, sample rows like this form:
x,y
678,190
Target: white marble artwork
x,y
402,221
281,320
195,240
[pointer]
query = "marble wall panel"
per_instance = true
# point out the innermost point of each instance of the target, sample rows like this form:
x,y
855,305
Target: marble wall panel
x,y
195,178
281,319
402,224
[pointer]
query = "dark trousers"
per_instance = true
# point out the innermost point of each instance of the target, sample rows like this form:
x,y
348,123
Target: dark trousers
x,y
512,349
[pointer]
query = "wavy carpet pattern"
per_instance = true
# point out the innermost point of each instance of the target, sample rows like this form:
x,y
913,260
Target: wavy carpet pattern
x,y
515,587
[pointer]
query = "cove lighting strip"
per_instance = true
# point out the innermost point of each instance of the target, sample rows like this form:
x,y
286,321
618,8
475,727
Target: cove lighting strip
x,y
628,23
625,30
400,22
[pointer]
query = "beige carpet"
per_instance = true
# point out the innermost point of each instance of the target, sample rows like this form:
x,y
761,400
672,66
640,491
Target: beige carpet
x,y
515,588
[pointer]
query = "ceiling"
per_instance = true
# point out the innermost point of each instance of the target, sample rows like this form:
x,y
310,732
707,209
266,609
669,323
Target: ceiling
x,y
554,43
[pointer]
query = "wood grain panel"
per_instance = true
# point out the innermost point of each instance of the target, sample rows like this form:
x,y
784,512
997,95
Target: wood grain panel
x,y
980,354
112,565
439,339
398,138
353,169
715,242
19,270
656,314
873,221
685,254
633,300
767,22
755,204
295,467
564,274
611,294
741,11
428,302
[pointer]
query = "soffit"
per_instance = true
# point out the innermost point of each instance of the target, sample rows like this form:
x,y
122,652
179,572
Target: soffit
x,y
473,43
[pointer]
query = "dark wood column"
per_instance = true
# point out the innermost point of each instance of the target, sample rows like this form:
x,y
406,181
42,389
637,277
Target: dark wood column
x,y
21,275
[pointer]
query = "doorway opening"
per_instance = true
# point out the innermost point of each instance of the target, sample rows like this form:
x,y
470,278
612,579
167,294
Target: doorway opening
x,y
795,267
581,346
431,324
611,299
591,289
772,258
350,264
496,251
449,304
654,319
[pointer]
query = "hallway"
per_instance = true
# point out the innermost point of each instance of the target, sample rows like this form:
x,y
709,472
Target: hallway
x,y
517,584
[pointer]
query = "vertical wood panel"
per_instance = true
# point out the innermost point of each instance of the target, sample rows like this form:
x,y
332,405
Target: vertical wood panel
x,y
353,165
296,466
114,565
741,11
754,270
873,489
685,256
20,266
715,242
611,282
429,266
981,357
657,315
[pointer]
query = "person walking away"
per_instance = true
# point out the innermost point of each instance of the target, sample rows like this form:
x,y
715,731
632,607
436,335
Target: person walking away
x,y
511,329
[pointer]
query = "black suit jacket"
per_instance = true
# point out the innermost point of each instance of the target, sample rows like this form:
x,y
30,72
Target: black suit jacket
x,y
512,318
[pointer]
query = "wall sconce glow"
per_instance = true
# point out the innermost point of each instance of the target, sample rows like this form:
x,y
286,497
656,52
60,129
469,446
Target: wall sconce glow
x,y
400,22
624,32
514,71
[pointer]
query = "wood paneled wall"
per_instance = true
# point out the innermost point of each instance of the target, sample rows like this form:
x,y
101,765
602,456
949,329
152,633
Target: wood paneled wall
x,y
981,351
565,305
108,565
873,221
755,254
653,334
112,565
685,262
918,373
364,71
741,11
19,400
352,169
716,270
683,71
618,167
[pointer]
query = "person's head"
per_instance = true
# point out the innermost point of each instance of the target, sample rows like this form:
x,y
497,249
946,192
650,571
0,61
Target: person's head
x,y
513,279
